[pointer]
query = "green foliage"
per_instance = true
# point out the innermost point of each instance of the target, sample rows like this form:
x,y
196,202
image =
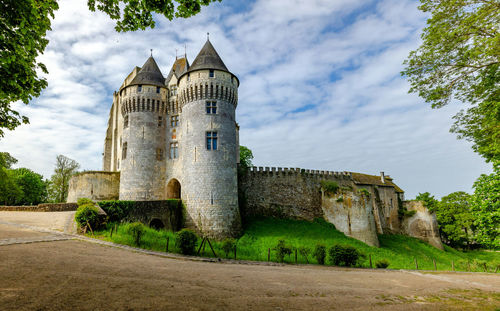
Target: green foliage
x,y
87,213
320,253
344,255
6,160
486,208
304,251
116,210
382,264
22,39
459,59
330,187
456,219
340,199
59,182
246,157
428,200
228,246
364,192
135,15
136,230
185,241
83,201
282,250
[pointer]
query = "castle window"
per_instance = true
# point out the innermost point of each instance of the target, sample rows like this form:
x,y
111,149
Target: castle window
x,y
158,89
174,150
124,151
232,79
174,121
189,77
160,121
125,122
139,88
211,140
211,107
159,154
211,73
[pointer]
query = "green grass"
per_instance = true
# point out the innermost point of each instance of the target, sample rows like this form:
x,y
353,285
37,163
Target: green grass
x,y
264,233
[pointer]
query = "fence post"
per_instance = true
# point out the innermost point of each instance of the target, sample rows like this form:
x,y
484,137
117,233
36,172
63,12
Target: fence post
x,y
234,251
434,261
295,255
268,254
452,265
371,266
416,263
111,233
167,244
497,269
485,268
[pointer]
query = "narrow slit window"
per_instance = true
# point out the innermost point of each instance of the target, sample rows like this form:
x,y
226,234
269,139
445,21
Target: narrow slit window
x,y
124,151
174,150
139,88
159,154
160,121
158,89
211,73
125,122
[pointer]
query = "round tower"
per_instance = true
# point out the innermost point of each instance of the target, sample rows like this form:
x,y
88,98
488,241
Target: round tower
x,y
142,173
208,98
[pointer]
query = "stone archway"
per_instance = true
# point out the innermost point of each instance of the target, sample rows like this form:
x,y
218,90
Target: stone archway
x,y
156,224
173,189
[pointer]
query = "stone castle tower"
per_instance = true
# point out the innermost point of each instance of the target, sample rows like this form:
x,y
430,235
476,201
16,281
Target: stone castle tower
x,y
177,137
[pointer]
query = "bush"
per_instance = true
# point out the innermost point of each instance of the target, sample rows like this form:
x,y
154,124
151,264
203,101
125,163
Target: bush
x,y
382,264
282,250
185,241
364,192
330,187
136,230
228,246
320,254
344,255
83,201
117,210
304,252
87,213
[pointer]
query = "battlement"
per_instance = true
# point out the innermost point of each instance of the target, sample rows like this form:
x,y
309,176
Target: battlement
x,y
285,171
208,90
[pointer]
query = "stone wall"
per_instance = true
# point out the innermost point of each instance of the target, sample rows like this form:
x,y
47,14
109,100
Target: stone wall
x,y
422,225
94,185
43,207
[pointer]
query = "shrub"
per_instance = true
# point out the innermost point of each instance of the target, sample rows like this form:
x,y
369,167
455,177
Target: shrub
x,y
320,253
330,187
344,255
282,250
116,210
83,201
340,199
364,192
185,241
87,213
382,264
304,252
136,230
228,246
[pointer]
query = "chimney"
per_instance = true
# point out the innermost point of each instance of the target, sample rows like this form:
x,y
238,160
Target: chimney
x,y
382,177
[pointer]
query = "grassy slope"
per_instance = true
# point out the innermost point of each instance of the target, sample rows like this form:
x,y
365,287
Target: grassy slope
x,y
262,234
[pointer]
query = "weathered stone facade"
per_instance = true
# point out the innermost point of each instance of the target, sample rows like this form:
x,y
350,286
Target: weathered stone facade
x,y
422,224
177,137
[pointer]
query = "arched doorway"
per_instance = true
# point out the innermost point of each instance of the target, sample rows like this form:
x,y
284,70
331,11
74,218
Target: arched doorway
x,y
156,224
173,189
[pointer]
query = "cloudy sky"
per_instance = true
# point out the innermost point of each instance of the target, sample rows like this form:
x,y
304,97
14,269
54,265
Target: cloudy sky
x,y
320,88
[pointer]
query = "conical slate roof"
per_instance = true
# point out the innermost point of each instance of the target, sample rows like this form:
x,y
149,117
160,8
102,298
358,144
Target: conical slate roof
x,y
149,74
180,66
208,59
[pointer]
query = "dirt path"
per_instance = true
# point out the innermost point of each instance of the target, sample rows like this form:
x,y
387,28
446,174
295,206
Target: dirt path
x,y
77,275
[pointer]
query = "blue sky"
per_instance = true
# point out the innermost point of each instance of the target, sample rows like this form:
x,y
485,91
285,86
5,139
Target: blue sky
x,y
320,88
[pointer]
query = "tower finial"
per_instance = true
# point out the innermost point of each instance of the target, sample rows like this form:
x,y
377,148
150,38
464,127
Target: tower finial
x,y
208,36
151,52
185,48
175,53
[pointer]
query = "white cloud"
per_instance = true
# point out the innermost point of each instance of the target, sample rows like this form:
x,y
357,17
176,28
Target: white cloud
x,y
320,88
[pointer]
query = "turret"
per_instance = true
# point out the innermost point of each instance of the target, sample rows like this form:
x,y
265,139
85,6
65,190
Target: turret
x,y
207,94
143,107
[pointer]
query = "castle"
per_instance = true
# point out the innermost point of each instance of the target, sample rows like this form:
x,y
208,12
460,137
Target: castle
x,y
177,137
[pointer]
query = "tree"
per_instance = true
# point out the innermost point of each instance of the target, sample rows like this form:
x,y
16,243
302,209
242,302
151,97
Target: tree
x,y
456,219
486,207
428,200
460,59
59,182
32,185
9,190
246,157
23,28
